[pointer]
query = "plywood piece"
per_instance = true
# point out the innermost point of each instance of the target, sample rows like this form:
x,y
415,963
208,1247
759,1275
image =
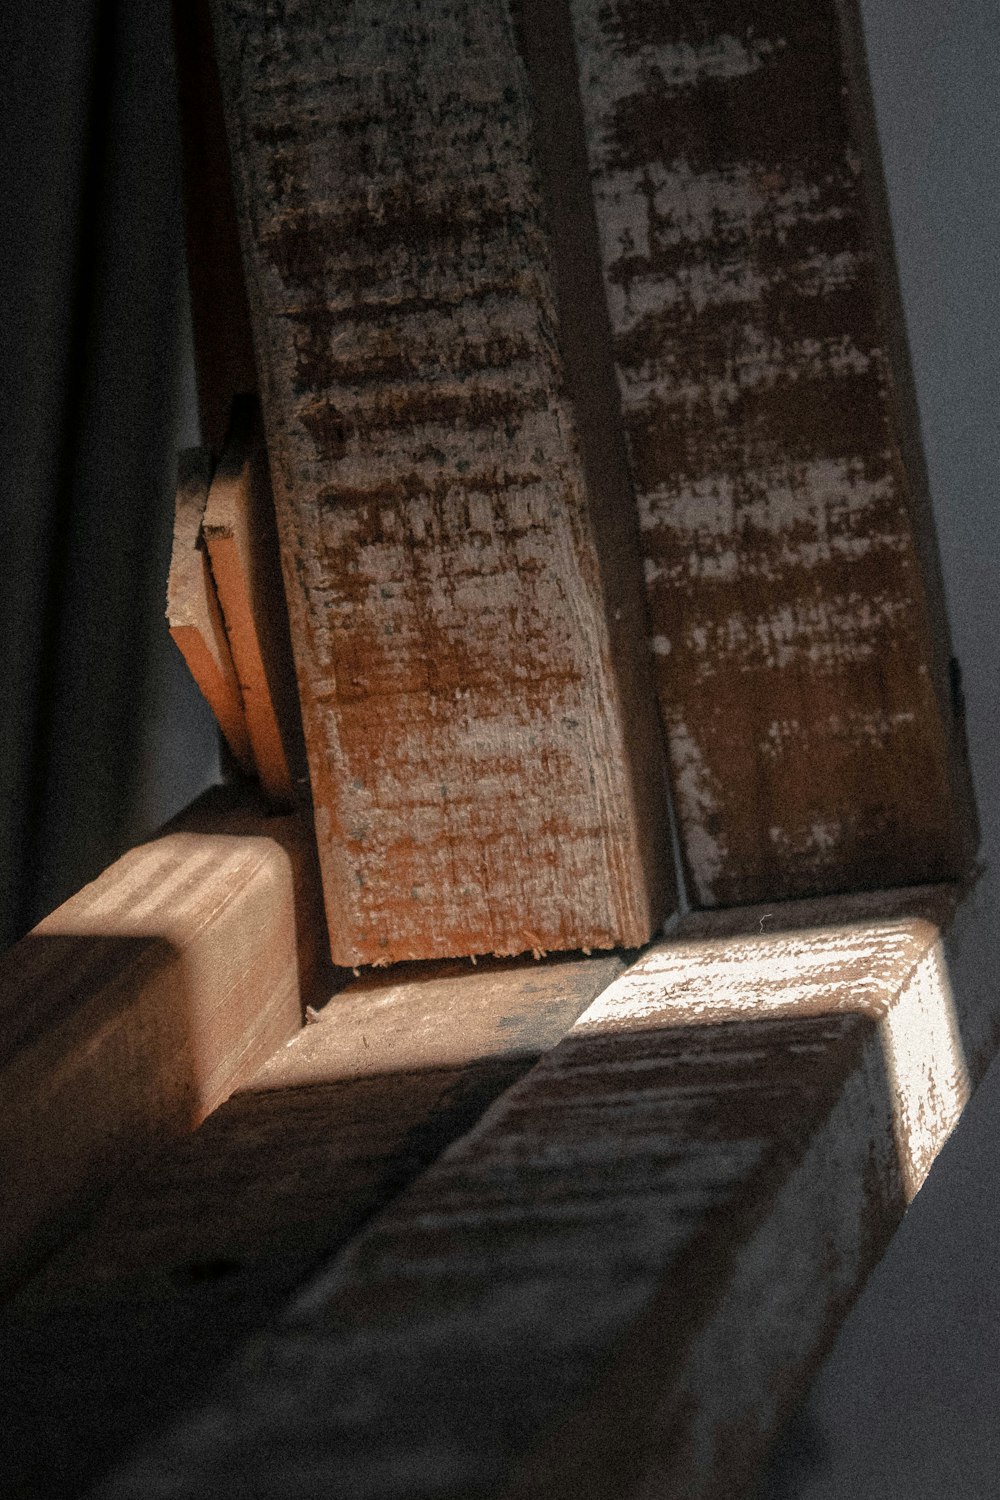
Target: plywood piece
x,y
485,764
815,741
134,1009
619,1281
185,1259
238,528
193,607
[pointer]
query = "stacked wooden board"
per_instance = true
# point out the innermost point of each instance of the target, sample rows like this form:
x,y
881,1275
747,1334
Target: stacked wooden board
x,y
802,658
464,590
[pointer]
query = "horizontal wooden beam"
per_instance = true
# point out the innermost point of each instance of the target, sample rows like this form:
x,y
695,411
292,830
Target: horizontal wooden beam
x,y
134,1009
815,729
186,1258
630,1267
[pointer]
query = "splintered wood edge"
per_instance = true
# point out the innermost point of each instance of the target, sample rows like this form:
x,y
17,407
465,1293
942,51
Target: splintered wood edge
x,y
193,612
418,1309
139,1005
234,536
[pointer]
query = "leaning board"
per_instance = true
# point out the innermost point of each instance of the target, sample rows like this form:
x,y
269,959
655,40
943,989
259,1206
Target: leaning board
x,y
801,652
484,757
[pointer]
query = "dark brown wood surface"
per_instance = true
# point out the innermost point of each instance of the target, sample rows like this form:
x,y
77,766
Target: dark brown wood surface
x,y
188,1258
798,632
485,763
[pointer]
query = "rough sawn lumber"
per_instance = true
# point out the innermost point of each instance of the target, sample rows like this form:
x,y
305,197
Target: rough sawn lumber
x,y
815,738
617,1284
189,1257
193,612
484,756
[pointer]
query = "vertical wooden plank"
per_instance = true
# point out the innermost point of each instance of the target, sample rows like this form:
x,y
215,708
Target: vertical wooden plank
x,y
193,613
485,771
239,533
798,632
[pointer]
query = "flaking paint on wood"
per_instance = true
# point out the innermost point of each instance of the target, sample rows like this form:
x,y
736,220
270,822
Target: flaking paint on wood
x,y
613,1286
475,773
802,678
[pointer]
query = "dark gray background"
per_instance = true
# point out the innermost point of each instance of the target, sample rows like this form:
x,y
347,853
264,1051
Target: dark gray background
x,y
98,745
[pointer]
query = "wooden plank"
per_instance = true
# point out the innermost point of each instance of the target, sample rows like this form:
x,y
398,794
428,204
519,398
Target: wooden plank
x,y
238,527
193,607
618,1283
485,763
815,740
138,1006
184,1260
220,318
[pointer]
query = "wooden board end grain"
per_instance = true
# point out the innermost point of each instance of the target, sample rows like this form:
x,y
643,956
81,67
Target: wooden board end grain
x,y
798,628
193,611
471,750
239,532
134,1009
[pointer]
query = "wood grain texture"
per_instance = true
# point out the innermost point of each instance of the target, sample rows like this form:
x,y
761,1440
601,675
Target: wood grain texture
x,y
189,1257
239,531
193,612
797,622
138,1006
618,1282
479,779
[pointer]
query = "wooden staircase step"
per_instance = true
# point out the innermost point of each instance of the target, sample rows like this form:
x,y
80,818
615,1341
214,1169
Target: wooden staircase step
x,y
461,566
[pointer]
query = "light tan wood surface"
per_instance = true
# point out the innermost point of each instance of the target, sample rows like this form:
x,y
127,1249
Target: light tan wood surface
x,y
134,1009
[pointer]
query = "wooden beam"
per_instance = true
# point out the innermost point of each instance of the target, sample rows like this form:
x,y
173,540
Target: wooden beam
x,y
485,760
619,1282
193,612
816,740
187,1258
134,1009
239,532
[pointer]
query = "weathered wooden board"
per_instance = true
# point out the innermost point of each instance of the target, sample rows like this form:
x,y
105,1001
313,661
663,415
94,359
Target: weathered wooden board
x,y
239,531
138,1006
186,1258
798,633
193,611
619,1281
484,757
